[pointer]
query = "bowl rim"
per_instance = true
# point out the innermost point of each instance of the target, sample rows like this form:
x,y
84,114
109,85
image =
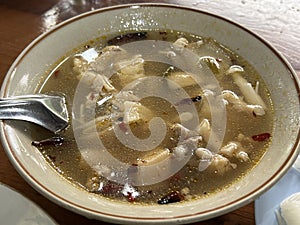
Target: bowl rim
x,y
60,200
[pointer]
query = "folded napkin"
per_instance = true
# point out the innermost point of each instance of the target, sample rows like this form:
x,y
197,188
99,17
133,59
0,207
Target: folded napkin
x,y
289,210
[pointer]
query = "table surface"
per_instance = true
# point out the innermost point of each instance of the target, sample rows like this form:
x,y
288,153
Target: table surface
x,y
22,21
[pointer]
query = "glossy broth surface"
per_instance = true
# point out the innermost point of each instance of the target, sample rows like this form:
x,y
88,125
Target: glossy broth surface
x,y
248,120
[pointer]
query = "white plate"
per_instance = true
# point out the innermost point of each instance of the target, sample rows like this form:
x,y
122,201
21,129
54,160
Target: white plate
x,y
27,71
266,204
15,209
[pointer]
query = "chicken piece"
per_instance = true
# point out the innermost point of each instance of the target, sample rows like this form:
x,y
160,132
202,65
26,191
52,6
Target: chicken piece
x,y
181,151
220,164
246,141
189,141
80,65
186,148
213,162
130,70
186,81
242,156
107,62
235,149
96,81
135,111
115,60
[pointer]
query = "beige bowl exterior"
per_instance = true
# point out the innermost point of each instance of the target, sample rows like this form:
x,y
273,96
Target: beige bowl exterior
x,y
26,72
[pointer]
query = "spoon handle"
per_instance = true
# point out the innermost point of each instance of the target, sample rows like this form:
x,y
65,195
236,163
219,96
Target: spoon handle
x,y
47,111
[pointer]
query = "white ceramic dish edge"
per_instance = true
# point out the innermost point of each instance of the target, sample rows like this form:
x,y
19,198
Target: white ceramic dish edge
x,y
8,134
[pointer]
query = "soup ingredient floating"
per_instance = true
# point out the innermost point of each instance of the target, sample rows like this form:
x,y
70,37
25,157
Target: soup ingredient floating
x,y
174,120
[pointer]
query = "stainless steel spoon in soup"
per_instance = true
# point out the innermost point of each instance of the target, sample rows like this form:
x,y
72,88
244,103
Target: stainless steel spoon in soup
x,y
48,111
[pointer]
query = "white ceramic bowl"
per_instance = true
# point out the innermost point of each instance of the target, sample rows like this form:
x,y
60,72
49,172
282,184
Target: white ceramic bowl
x,y
26,72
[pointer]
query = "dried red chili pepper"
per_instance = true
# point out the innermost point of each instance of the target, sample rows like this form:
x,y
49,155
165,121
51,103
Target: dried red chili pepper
x,y
175,179
189,101
56,141
125,38
52,158
130,197
261,137
172,197
111,188
196,99
56,72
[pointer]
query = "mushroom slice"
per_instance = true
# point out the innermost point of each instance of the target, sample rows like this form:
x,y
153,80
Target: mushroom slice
x,y
246,88
204,129
180,44
184,132
153,157
211,63
239,104
243,156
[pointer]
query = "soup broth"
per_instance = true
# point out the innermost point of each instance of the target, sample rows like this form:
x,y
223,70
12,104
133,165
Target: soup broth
x,y
116,107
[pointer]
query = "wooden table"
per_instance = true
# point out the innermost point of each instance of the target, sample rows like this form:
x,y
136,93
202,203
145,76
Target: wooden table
x,y
22,21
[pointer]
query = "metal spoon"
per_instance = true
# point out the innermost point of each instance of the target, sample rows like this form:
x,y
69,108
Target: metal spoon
x,y
47,111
